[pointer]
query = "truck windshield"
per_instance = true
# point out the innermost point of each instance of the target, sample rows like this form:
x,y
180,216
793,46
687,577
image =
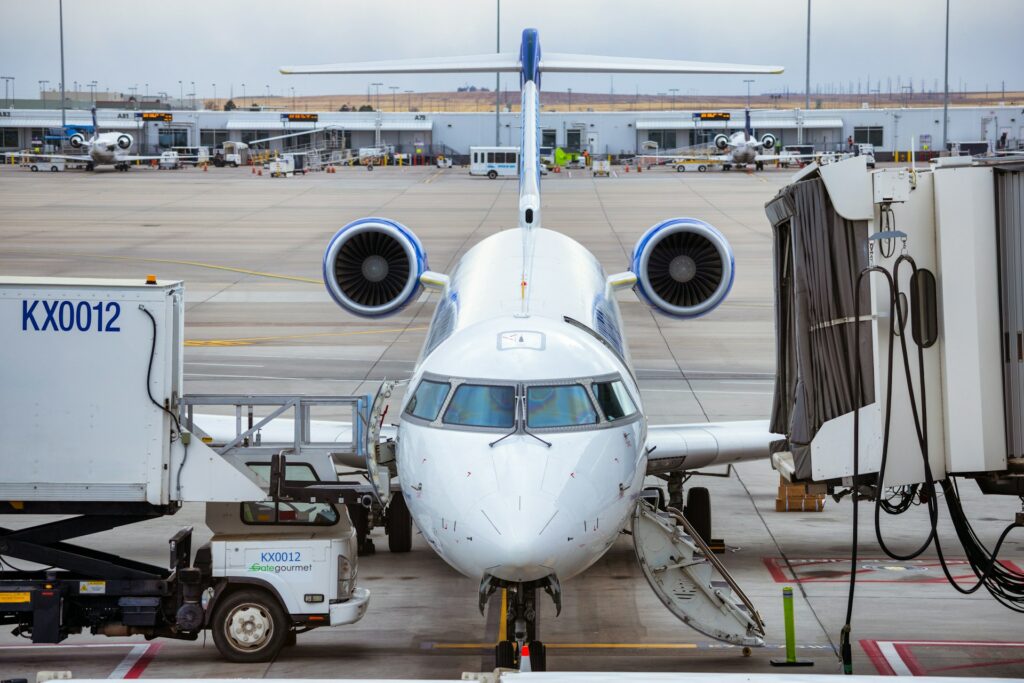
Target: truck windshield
x,y
481,405
558,406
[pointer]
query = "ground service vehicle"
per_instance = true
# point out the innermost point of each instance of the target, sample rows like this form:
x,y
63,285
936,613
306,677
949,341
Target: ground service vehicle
x,y
494,162
277,564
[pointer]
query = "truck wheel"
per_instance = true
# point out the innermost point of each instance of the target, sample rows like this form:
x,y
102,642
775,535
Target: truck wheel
x,y
399,526
680,168
34,168
702,168
54,169
492,174
249,626
234,164
698,511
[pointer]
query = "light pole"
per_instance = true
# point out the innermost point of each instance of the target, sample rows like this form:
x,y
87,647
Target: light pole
x,y
570,99
673,91
293,96
243,94
63,103
945,89
42,91
497,80
214,95
181,95
92,88
193,84
748,81
807,69
147,90
409,93
394,89
376,87
8,100
268,93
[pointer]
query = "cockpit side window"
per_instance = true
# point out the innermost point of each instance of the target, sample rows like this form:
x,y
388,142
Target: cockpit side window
x,y
559,406
613,399
426,402
479,405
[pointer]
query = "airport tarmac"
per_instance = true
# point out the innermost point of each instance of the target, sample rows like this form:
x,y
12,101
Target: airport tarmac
x,y
258,320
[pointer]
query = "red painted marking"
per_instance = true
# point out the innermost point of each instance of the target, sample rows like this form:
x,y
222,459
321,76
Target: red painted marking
x,y
572,475
873,652
143,662
780,571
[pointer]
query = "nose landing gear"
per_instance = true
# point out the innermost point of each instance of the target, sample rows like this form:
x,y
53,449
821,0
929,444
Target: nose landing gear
x,y
521,620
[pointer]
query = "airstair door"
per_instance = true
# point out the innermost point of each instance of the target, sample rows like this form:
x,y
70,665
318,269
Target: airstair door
x,y
691,582
378,474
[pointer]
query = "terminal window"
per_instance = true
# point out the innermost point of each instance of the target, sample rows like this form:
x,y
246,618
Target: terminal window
x,y
868,134
547,137
173,137
8,137
666,139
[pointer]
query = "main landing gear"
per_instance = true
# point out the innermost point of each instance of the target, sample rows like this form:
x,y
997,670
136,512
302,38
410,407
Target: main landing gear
x,y
522,620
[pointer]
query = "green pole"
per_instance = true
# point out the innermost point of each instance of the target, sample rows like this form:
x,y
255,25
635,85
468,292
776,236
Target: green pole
x,y
789,622
787,615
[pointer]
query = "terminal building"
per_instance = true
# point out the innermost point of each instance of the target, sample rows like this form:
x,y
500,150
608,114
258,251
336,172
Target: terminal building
x,y
622,133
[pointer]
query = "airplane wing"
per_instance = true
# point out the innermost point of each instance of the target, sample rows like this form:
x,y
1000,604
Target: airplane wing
x,y
67,157
674,448
136,158
555,62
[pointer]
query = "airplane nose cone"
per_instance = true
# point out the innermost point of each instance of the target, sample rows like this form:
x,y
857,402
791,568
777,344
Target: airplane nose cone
x,y
524,550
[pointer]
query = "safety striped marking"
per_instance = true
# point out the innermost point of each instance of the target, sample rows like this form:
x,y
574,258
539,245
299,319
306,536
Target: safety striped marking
x,y
428,645
249,341
139,656
896,657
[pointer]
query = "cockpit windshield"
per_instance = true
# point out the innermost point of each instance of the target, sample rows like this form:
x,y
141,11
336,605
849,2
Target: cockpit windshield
x,y
481,405
559,406
570,404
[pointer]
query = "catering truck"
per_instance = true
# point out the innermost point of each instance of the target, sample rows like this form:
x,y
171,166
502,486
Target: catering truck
x,y
100,434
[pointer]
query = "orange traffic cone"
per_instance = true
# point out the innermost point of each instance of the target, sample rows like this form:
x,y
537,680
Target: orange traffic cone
x,y
259,172
524,659
253,170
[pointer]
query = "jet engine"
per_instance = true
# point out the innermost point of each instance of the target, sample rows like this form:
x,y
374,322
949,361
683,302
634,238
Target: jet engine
x,y
124,141
76,140
768,141
372,267
721,141
683,266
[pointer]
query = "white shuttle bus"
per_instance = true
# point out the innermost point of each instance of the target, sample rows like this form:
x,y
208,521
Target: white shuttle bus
x,y
494,161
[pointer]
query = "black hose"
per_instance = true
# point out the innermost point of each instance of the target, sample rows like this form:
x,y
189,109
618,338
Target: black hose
x,y
149,392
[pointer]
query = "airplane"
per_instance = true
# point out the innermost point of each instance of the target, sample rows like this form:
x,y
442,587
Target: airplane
x,y
522,444
743,148
102,149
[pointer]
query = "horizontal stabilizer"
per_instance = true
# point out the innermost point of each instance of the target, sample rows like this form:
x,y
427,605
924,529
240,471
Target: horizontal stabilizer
x,y
556,62
505,62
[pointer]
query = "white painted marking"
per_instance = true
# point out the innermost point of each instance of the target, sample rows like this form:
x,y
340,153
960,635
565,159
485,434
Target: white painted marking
x,y
130,659
291,379
225,365
888,650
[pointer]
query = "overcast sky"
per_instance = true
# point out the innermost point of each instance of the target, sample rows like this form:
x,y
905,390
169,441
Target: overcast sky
x,y
121,43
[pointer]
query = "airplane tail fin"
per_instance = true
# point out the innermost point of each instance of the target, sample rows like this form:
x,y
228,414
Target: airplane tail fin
x,y
95,125
746,124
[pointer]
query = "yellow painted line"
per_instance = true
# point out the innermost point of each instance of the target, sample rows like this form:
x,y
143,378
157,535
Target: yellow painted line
x,y
431,178
200,264
245,341
576,646
503,625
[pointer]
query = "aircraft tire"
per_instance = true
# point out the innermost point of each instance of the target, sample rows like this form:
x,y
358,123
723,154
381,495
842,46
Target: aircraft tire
x,y
538,656
492,174
504,655
399,526
760,166
698,511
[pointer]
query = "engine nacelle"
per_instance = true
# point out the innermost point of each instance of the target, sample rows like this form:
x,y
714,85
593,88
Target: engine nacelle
x,y
684,267
768,141
76,140
721,141
372,267
124,141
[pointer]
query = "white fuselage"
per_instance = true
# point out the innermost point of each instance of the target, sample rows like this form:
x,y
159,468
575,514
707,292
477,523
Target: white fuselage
x,y
520,510
743,148
104,149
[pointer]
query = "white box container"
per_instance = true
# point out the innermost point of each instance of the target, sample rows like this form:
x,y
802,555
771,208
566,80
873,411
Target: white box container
x,y
77,422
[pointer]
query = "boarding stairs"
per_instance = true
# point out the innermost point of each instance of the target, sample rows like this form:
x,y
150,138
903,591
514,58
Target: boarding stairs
x,y
690,580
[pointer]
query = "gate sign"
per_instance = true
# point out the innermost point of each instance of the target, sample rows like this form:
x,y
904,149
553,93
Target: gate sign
x,y
164,116
300,117
712,115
